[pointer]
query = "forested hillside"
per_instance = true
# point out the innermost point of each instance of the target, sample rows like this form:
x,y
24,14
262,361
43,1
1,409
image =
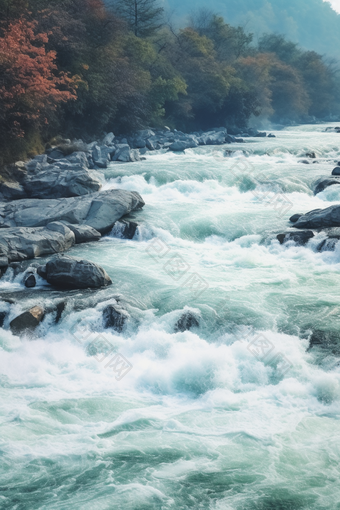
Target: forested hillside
x,y
311,23
80,68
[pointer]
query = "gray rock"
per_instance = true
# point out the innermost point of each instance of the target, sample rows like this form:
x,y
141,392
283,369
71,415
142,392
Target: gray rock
x,y
123,153
13,190
41,270
70,273
55,182
328,245
295,217
3,316
30,281
187,321
271,135
182,145
300,238
311,155
320,218
124,229
27,243
27,321
152,146
336,171
115,317
323,183
139,143
99,210
146,133
84,233
108,139
213,137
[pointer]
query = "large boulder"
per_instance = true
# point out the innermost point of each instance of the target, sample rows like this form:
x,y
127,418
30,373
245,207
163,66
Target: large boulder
x,y
125,154
70,273
320,218
27,321
17,244
323,183
99,210
57,182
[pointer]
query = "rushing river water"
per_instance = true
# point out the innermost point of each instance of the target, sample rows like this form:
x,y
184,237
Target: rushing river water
x,y
237,414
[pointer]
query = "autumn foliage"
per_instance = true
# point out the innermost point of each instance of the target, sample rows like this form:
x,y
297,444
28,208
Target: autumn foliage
x,y
80,68
31,88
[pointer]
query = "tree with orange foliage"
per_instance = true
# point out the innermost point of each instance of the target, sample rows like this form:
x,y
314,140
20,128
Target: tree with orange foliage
x,y
30,86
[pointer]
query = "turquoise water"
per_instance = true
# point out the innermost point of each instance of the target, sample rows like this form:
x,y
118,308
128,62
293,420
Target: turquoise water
x,y
204,419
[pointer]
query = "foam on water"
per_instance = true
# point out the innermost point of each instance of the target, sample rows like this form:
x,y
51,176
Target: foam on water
x,y
206,418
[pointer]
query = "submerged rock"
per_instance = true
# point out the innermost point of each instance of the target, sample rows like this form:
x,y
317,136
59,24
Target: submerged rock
x,y
300,238
27,321
187,321
323,183
70,273
115,317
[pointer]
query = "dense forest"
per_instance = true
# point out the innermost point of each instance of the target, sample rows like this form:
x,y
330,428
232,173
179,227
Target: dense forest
x,y
81,68
313,24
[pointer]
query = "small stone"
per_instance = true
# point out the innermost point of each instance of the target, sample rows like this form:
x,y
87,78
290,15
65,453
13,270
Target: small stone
x,y
27,321
30,281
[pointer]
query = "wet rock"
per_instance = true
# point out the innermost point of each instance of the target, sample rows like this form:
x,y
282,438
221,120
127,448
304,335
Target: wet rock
x,y
328,340
30,281
41,270
336,171
60,307
187,321
262,134
295,217
323,183
328,245
22,243
27,321
271,135
70,273
300,238
99,210
84,233
115,317
320,218
3,316
311,155
124,229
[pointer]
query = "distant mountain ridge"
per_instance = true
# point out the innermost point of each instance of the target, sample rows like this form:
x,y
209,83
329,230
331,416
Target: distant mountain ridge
x,y
311,23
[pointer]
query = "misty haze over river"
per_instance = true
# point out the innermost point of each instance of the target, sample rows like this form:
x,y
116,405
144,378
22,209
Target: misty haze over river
x,y
236,414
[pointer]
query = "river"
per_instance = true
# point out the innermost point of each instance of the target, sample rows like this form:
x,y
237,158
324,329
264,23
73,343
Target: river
x,y
236,414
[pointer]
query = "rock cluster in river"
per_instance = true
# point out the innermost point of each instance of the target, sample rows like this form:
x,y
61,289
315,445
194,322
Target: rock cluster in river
x,y
317,221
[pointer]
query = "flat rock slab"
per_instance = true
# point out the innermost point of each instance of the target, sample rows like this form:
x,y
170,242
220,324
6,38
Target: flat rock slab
x,y
98,210
17,244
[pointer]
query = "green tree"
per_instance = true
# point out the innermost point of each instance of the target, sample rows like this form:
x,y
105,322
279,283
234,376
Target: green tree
x,y
144,17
